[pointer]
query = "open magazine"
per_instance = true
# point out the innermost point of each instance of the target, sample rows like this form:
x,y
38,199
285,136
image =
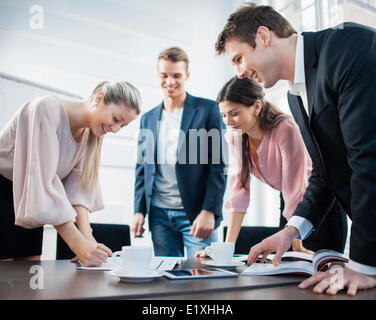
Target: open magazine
x,y
297,263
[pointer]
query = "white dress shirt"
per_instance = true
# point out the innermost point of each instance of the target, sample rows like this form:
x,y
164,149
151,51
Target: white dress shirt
x,y
298,88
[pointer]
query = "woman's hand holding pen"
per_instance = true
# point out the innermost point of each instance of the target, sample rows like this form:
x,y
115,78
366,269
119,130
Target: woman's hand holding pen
x,y
88,251
101,246
92,254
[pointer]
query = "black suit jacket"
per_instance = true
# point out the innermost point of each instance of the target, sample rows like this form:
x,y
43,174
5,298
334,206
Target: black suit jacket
x,y
340,130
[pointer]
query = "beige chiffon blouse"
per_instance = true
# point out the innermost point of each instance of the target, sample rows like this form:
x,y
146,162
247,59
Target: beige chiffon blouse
x,y
39,154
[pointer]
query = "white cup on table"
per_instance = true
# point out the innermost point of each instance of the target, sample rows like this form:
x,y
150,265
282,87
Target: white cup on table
x,y
135,260
221,252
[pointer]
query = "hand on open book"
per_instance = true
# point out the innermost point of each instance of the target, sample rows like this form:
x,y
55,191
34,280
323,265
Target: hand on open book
x,y
279,243
337,279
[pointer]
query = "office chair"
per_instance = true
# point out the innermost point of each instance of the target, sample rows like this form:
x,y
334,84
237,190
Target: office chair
x,y
113,236
249,236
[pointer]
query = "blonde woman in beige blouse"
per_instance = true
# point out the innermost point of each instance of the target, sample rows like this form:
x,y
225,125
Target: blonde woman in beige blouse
x,y
49,159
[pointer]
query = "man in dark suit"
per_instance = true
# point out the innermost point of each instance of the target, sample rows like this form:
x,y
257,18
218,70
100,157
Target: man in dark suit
x,y
332,78
180,179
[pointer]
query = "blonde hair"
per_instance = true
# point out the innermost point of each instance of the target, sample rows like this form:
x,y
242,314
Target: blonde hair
x,y
120,93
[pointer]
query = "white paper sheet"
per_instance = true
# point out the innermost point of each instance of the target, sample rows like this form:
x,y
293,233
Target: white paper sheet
x,y
157,263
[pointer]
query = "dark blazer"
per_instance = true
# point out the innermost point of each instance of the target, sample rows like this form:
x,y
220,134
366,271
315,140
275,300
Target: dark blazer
x,y
201,183
340,130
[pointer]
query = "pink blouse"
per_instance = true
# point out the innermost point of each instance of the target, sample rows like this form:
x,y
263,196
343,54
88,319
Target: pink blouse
x,y
39,154
284,164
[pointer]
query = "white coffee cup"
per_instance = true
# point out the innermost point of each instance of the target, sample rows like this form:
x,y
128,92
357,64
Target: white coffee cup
x,y
135,260
221,252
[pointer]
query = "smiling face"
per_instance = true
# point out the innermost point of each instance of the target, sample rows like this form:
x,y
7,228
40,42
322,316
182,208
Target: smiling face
x,y
259,63
110,117
172,77
240,117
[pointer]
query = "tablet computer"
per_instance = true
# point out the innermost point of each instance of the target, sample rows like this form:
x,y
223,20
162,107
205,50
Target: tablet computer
x,y
199,273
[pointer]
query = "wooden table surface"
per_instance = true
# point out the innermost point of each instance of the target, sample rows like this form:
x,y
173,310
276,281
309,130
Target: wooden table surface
x,y
62,280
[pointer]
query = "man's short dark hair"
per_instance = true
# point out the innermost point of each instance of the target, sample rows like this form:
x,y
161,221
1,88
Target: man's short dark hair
x,y
174,54
244,22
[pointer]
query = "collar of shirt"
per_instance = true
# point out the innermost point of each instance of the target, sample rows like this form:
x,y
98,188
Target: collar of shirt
x,y
298,87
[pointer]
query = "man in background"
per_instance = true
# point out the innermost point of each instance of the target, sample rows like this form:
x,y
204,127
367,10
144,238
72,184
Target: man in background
x,y
182,187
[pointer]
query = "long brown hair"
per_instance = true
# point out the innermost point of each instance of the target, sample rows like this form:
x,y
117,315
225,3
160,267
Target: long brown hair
x,y
246,92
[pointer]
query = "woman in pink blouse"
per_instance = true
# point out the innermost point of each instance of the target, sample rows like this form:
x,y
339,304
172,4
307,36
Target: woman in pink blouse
x,y
266,143
49,160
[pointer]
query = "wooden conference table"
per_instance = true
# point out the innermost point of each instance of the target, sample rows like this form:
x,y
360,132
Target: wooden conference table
x,y
62,281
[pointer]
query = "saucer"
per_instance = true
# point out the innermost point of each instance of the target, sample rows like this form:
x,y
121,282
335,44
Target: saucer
x,y
216,264
144,277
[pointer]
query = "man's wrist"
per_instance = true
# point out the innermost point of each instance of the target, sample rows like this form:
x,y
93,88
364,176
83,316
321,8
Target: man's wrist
x,y
292,232
207,212
303,226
